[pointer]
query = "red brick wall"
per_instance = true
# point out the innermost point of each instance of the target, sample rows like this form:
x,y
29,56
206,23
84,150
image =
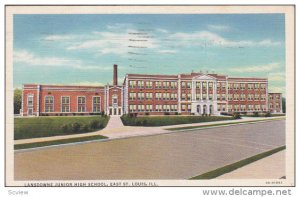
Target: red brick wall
x,y
24,97
115,91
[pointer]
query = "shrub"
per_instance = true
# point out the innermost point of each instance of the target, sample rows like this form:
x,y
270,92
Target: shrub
x,y
167,113
256,114
94,124
236,115
65,128
147,113
76,127
144,122
268,114
85,128
176,113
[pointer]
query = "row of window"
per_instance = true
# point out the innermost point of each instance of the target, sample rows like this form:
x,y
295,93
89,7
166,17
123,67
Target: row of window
x,y
277,97
242,97
150,108
65,103
184,84
249,107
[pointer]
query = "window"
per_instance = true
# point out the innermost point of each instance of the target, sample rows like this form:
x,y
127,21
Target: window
x,y
236,86
30,104
242,86
256,97
183,84
30,100
235,97
173,107
223,85
236,107
132,84
140,96
243,107
210,96
219,107
141,108
229,108
263,86
203,84
173,96
166,96
188,84
157,84
189,97
132,96
230,97
183,107
173,84
81,104
210,84
96,104
256,85
165,84
158,107
148,108
198,96
148,84
250,86
223,97
250,107
158,96
132,108
140,84
204,96
218,97
250,97
189,107
148,96
218,85
198,84
243,97
49,104
65,104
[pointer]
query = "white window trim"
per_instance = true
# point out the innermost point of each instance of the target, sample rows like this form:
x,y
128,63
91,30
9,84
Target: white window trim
x,y
45,103
84,104
93,103
62,104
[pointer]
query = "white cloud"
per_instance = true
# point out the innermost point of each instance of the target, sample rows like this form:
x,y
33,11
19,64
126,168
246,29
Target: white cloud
x,y
31,59
24,56
219,27
167,51
59,37
277,77
206,38
256,68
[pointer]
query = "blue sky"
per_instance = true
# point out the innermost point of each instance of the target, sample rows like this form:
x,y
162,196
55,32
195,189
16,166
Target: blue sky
x,y
81,49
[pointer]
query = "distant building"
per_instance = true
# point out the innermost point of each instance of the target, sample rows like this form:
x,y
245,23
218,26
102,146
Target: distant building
x,y
194,93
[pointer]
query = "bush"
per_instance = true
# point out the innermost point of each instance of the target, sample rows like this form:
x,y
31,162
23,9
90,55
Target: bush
x,y
236,115
256,114
147,113
85,128
268,114
176,113
76,127
65,128
144,122
94,124
166,113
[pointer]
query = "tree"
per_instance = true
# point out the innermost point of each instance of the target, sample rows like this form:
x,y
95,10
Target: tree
x,y
17,101
283,105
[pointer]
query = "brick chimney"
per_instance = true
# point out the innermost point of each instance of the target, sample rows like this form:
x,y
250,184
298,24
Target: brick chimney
x,y
115,79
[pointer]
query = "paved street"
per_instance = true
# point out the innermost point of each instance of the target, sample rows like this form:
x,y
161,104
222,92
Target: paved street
x,y
177,155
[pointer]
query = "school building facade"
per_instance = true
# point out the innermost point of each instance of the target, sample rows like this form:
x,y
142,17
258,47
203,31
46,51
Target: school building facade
x,y
193,93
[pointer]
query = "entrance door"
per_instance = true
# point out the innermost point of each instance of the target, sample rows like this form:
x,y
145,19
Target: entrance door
x,y
30,111
115,111
198,109
204,109
110,111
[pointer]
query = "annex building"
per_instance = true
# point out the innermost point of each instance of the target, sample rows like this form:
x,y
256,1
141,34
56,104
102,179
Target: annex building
x,y
193,93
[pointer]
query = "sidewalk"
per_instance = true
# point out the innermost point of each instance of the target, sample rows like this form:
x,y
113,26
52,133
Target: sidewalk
x,y
271,167
116,130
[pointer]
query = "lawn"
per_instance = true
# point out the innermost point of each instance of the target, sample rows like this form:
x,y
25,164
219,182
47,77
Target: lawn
x,y
56,142
169,120
34,127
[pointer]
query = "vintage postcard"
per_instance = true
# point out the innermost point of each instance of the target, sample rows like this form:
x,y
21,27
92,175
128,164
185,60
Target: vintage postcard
x,y
150,96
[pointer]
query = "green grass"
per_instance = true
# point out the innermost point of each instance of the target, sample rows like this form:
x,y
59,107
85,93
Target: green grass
x,y
212,125
56,142
229,168
35,127
169,120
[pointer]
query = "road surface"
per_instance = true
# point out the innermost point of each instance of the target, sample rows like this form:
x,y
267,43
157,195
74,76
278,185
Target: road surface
x,y
178,155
